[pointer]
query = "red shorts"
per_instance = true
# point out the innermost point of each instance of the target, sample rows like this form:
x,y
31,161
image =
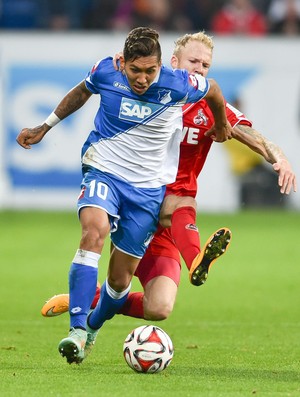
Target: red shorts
x,y
161,259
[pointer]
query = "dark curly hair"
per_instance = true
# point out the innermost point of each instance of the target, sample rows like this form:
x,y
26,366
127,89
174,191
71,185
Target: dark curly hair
x,y
142,42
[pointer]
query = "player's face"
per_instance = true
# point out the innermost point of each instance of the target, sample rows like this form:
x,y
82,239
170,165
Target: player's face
x,y
195,57
141,73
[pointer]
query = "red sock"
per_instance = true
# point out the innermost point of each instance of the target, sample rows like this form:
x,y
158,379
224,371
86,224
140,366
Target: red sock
x,y
96,297
185,233
133,306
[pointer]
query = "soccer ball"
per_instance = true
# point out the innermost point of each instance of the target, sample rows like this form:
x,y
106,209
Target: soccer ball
x,y
148,349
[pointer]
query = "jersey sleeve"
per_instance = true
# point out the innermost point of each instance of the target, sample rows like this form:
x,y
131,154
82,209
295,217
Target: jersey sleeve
x,y
235,116
197,88
94,77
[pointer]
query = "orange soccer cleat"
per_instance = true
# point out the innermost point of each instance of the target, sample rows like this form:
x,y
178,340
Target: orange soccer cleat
x,y
215,246
56,305
59,304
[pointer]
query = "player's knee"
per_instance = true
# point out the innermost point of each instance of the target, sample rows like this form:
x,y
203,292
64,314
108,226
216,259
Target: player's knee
x,y
119,284
158,313
92,239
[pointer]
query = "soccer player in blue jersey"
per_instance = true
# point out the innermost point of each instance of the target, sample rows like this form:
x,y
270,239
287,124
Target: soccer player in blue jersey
x,y
126,160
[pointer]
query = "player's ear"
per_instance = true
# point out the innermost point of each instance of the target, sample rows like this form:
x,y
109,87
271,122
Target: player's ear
x,y
121,63
174,61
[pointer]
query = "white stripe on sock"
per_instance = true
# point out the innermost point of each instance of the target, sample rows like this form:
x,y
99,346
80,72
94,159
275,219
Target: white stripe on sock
x,y
114,294
87,258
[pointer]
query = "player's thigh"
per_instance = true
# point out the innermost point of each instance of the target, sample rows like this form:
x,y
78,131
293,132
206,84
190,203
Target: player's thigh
x,y
170,204
159,276
94,219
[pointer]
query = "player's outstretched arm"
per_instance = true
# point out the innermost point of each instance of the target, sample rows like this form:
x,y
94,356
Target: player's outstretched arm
x,y
221,130
271,153
74,100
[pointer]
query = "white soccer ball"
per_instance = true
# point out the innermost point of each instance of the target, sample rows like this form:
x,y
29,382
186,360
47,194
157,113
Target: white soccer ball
x,y
148,349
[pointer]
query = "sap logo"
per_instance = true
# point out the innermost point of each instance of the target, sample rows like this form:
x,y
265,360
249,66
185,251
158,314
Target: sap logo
x,y
136,110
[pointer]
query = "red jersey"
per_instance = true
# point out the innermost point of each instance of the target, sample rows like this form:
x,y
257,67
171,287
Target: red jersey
x,y
194,148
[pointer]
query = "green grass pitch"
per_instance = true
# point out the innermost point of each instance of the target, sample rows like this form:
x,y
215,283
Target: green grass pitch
x,y
236,336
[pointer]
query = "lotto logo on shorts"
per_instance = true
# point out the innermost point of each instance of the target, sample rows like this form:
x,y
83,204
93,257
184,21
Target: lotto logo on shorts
x,y
136,111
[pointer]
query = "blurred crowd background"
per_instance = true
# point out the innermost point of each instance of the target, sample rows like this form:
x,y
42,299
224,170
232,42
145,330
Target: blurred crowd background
x,y
219,17
254,180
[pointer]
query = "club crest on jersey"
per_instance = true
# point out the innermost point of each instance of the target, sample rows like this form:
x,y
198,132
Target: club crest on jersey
x,y
164,96
136,111
200,118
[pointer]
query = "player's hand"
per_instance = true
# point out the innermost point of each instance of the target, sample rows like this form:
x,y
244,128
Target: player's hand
x,y
31,136
220,133
116,58
286,176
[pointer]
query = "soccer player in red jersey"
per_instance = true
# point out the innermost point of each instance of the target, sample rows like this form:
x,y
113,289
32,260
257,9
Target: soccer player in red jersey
x,y
159,269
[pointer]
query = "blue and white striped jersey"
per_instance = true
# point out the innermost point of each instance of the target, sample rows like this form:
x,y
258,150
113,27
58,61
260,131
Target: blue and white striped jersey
x,y
137,137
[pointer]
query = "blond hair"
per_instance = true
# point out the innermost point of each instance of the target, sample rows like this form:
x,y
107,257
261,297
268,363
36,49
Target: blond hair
x,y
202,37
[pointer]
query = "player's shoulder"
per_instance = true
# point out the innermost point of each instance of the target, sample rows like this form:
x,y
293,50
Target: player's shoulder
x,y
179,74
174,80
103,65
101,75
